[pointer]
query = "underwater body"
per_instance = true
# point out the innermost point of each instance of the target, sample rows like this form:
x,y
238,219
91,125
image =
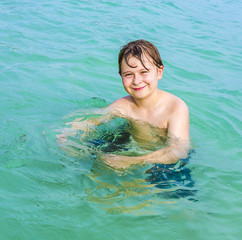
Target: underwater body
x,y
59,61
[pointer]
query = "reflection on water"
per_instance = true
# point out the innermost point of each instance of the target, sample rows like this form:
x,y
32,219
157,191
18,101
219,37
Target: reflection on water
x,y
122,191
137,189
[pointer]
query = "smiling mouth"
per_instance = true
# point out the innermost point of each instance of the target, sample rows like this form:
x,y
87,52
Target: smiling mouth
x,y
138,89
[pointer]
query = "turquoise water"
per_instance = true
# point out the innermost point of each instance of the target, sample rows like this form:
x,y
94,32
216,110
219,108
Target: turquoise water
x,y
59,58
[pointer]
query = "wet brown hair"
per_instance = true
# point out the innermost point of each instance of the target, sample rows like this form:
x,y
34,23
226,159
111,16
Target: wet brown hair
x,y
137,49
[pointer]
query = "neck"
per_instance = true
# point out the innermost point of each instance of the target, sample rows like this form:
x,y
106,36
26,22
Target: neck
x,y
148,103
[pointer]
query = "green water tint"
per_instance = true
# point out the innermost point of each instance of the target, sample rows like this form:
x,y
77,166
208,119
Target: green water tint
x,y
110,188
111,136
55,57
108,137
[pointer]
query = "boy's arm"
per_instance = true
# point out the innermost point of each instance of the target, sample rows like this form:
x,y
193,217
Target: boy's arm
x,y
178,147
86,126
108,113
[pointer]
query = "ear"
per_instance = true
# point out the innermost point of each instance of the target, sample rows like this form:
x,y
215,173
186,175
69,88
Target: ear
x,y
160,72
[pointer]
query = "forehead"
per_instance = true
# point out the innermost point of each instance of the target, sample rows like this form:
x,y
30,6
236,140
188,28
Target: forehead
x,y
134,62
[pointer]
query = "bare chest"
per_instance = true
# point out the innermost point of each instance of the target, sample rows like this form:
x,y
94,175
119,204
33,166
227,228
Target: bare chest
x,y
147,134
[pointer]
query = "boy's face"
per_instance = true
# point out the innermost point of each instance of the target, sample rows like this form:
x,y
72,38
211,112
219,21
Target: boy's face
x,y
138,81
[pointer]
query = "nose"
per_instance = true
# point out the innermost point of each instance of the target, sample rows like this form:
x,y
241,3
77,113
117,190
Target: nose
x,y
137,79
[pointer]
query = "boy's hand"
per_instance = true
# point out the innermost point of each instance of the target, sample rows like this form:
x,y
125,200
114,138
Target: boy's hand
x,y
77,125
119,161
61,139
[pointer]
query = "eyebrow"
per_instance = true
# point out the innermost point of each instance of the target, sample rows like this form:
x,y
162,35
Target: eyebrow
x,y
142,69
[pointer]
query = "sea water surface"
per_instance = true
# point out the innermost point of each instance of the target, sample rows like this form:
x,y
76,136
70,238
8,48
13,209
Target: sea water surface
x,y
58,61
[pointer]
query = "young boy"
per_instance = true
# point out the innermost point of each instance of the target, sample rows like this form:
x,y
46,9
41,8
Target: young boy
x,y
154,113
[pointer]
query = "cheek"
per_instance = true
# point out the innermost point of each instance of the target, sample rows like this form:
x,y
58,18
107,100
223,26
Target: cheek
x,y
126,81
147,78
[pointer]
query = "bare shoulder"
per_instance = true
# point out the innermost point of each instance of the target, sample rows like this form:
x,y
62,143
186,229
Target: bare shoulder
x,y
121,105
121,101
176,105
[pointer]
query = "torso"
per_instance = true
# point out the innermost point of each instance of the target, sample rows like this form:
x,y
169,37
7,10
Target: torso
x,y
146,134
147,127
